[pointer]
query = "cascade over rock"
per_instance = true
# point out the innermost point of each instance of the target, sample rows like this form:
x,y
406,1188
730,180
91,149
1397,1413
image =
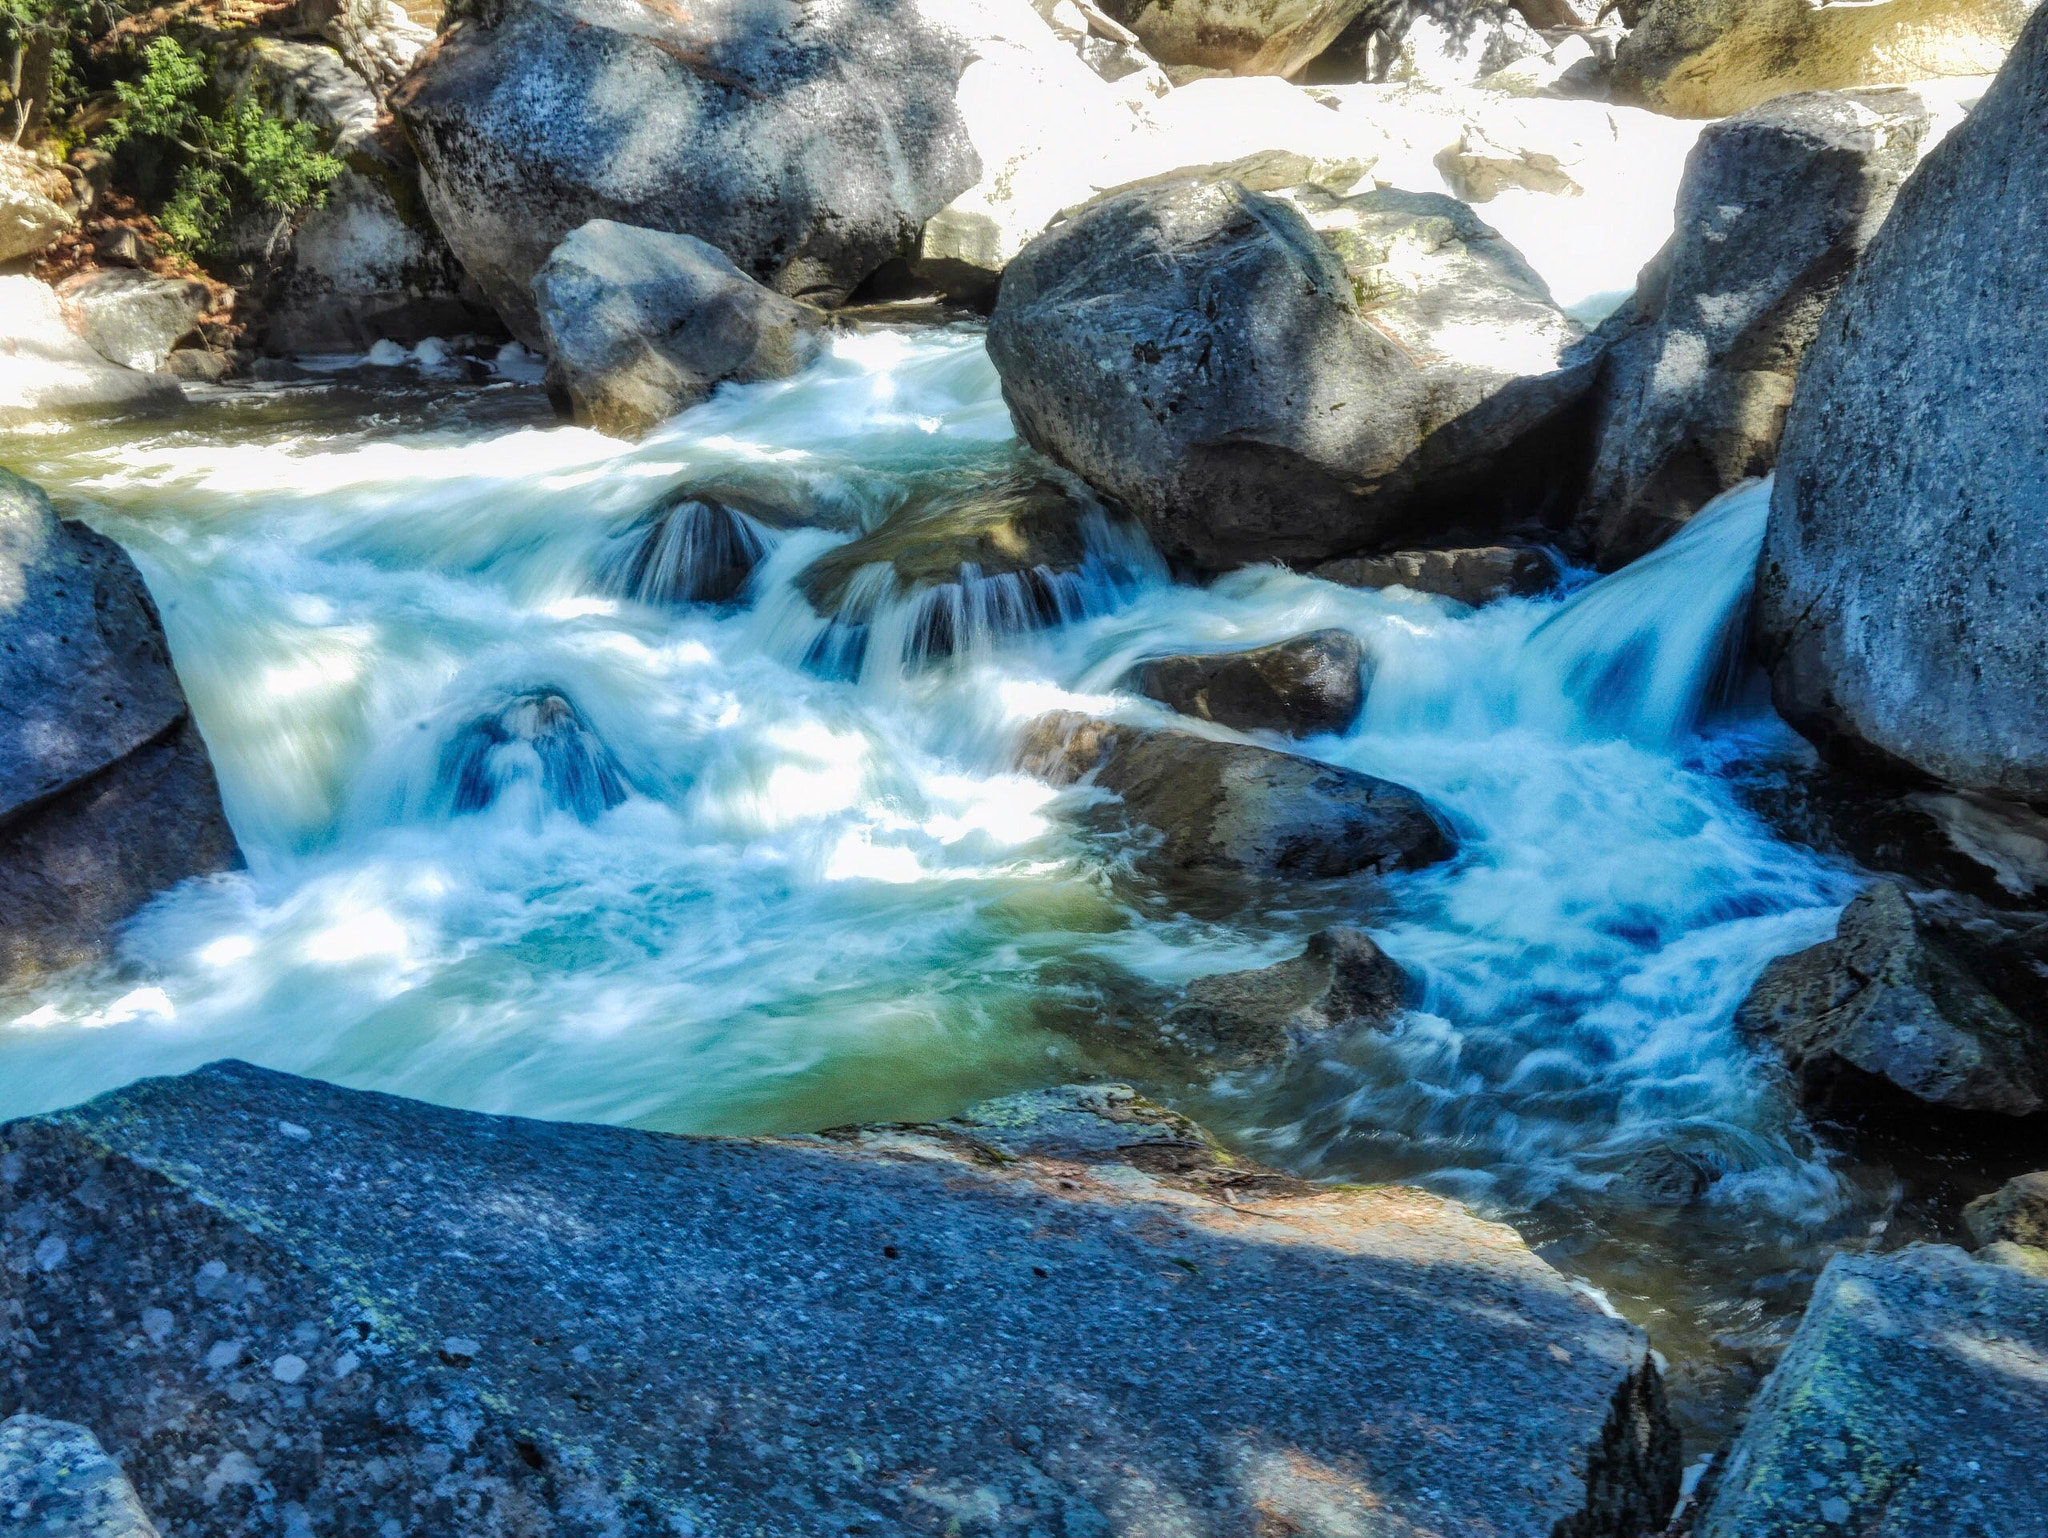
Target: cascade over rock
x,y
1257,385
1015,1314
1707,58
106,793
1902,601
641,324
1777,205
808,143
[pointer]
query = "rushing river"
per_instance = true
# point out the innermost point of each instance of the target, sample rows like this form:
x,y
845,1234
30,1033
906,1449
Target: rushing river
x,y
822,898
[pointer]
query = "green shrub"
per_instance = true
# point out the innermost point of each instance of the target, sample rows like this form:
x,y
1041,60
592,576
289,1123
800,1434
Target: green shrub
x,y
232,160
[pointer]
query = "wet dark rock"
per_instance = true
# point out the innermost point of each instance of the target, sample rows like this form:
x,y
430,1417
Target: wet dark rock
x,y
806,143
2016,1213
1884,1000
1907,1406
1258,379
106,793
540,736
1019,553
1304,687
291,1305
641,324
1228,808
1776,207
698,545
1902,604
56,1481
1342,982
1476,575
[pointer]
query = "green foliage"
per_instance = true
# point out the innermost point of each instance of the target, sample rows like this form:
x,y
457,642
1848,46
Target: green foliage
x,y
37,71
232,160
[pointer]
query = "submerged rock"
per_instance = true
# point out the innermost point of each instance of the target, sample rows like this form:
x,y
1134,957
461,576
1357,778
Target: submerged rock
x,y
1902,602
1303,687
1708,58
106,793
1063,1312
808,143
56,1481
1909,1405
1021,553
1886,1000
1776,207
1342,982
538,736
1228,808
1254,388
640,325
1475,575
696,545
133,318
49,370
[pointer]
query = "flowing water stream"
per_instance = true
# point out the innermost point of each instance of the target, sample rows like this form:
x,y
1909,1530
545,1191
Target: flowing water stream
x,y
738,891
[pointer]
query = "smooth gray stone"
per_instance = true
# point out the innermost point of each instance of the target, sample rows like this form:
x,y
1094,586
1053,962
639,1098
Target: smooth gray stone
x,y
1063,1314
1902,595
1911,1404
1303,687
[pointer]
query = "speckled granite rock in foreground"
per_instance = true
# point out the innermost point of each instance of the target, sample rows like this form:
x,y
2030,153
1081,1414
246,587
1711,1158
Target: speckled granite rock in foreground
x,y
56,1481
1909,1405
288,1308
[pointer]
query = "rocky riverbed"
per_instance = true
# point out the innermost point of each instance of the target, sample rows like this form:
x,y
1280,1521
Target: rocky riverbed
x,y
1449,590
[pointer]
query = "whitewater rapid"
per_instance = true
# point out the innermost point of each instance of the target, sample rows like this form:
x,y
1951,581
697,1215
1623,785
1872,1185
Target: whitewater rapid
x,y
815,898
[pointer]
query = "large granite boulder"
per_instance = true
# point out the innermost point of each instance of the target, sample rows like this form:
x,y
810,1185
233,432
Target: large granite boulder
x,y
1708,58
2016,1213
1902,596
641,324
296,1308
808,143
35,206
134,318
1887,1000
1259,385
1340,983
48,370
1777,205
56,1481
1909,1405
1228,809
1303,687
367,265
106,793
1245,37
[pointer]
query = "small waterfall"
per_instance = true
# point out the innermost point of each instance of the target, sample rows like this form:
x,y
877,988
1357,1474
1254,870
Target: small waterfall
x,y
538,738
1643,653
693,547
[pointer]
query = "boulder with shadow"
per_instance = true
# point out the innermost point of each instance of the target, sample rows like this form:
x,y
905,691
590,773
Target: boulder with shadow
x,y
1260,379
640,324
291,1306
48,370
807,143
1473,575
1212,810
1303,687
107,796
1775,210
1341,982
1902,601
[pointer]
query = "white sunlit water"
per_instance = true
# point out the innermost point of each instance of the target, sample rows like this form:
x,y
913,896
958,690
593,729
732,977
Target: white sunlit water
x,y
784,898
